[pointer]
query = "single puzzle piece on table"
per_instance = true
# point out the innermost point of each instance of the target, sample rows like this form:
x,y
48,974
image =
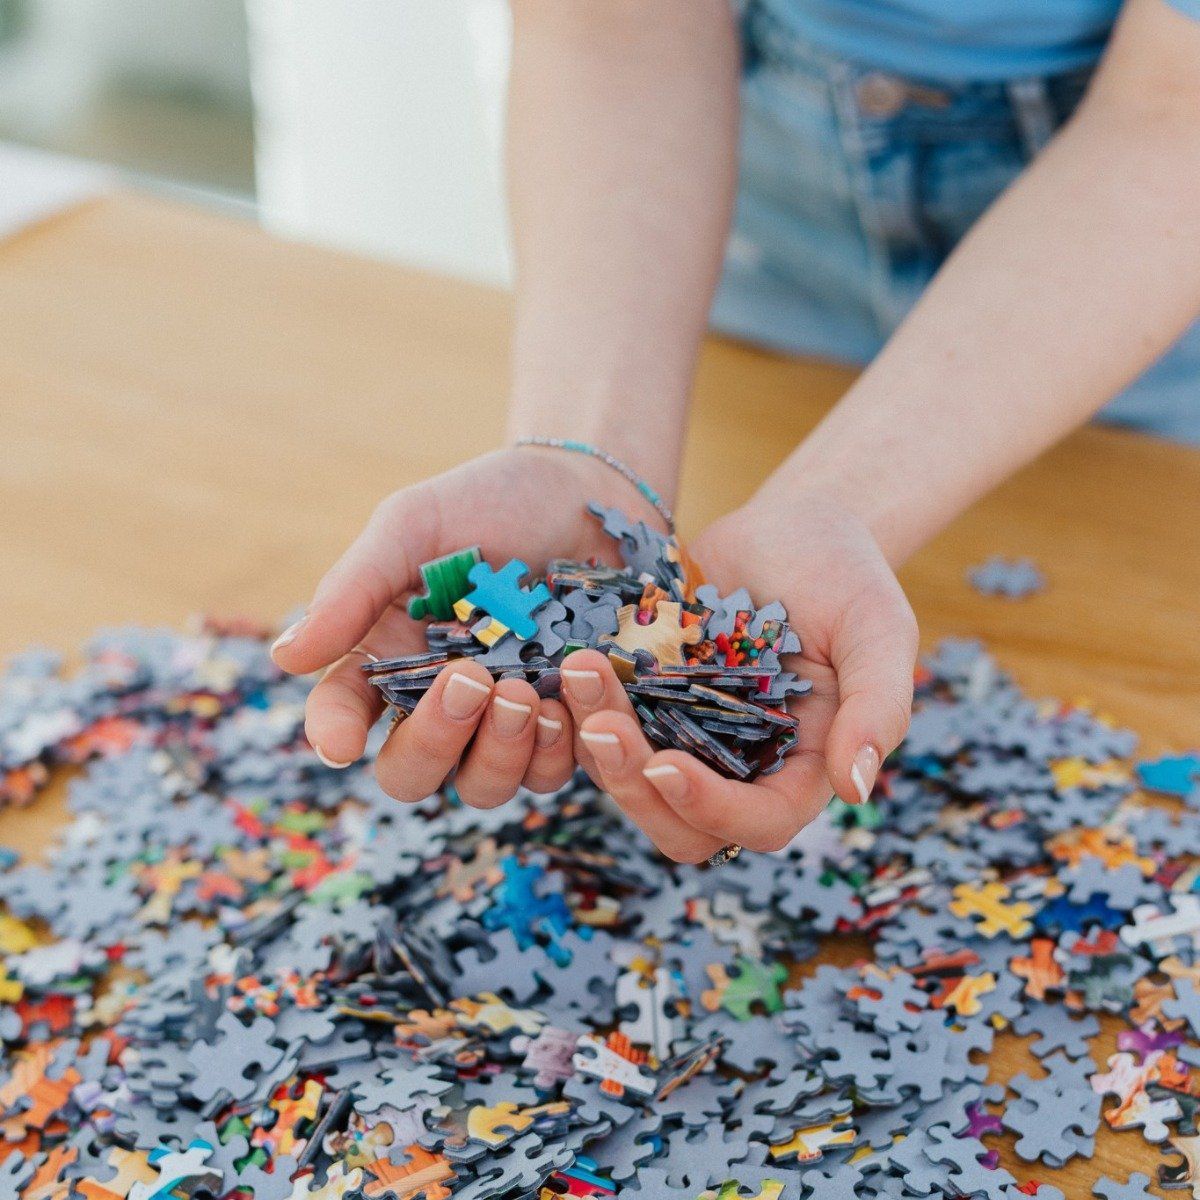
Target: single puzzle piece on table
x,y
1135,1188
502,597
1123,887
745,987
49,1181
808,1144
465,877
1000,577
1058,1029
651,1003
1165,931
422,1175
500,1123
247,1046
1186,1172
520,907
628,1148
1127,1080
1057,1116
15,1171
706,1158
180,1173
446,580
488,1012
845,1182
664,637
1185,1008
762,1189
548,1055
891,1001
1172,775
967,997
616,1062
128,1166
994,911
967,1173
339,1184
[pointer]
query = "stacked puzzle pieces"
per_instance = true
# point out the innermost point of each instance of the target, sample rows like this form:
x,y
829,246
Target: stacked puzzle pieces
x,y
701,670
240,974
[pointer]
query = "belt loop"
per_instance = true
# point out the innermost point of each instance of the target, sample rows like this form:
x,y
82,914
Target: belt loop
x,y
1030,100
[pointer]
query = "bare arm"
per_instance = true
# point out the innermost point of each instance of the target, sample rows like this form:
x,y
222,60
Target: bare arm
x,y
622,159
1078,278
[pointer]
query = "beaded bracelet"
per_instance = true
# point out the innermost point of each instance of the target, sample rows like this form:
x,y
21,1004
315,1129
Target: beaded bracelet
x,y
628,473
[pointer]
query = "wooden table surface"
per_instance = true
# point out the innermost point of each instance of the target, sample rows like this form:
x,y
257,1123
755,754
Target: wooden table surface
x,y
195,417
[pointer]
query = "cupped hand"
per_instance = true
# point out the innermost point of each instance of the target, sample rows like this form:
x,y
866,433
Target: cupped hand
x,y
523,503
859,645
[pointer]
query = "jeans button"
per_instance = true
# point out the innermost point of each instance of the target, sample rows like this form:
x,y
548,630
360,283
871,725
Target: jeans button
x,y
881,95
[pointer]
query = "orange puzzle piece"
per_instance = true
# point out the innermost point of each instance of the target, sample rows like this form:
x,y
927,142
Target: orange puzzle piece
x,y
1040,969
423,1175
664,637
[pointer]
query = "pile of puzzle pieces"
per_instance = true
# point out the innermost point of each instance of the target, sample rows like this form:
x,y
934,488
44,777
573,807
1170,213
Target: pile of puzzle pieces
x,y
239,973
702,670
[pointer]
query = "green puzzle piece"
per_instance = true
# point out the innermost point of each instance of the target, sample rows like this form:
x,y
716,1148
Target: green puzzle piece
x,y
445,582
752,983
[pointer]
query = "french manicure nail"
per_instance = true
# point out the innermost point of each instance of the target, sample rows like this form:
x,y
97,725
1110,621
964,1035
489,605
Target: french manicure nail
x,y
329,762
289,635
508,716
548,731
463,696
668,780
605,746
863,771
584,686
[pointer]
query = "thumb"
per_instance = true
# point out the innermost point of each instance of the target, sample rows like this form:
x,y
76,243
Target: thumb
x,y
874,667
382,564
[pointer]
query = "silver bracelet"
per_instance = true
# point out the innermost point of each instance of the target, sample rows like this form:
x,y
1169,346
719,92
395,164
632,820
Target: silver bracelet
x,y
617,465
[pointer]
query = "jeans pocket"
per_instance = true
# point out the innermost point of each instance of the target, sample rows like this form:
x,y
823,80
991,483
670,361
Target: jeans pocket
x,y
961,180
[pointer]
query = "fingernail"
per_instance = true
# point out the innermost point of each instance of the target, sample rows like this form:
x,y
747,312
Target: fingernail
x,y
289,634
670,781
547,733
509,717
585,686
329,762
606,747
863,771
463,696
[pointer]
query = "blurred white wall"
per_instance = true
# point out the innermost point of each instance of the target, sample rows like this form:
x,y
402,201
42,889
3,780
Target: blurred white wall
x,y
64,52
379,127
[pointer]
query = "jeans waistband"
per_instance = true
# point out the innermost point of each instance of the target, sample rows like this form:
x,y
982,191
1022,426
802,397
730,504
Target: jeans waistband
x,y
1036,104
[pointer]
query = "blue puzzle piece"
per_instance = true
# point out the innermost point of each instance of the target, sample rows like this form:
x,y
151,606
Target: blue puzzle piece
x,y
501,596
1172,775
1060,913
519,907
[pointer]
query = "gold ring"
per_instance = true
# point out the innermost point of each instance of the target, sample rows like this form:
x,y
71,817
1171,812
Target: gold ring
x,y
724,855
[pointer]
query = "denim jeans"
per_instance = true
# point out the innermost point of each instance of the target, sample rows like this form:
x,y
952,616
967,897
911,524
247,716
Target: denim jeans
x,y
855,185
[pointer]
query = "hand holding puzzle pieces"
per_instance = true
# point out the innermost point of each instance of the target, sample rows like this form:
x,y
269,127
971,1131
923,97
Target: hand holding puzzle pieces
x,y
702,671
241,975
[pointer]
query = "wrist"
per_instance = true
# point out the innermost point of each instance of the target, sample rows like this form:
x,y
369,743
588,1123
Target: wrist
x,y
642,427
829,496
588,478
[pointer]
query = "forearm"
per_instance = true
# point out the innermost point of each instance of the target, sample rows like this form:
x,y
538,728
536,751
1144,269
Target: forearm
x,y
1076,280
622,150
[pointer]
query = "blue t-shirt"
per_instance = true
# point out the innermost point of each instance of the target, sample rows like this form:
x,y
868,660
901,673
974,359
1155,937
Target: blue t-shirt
x,y
950,41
